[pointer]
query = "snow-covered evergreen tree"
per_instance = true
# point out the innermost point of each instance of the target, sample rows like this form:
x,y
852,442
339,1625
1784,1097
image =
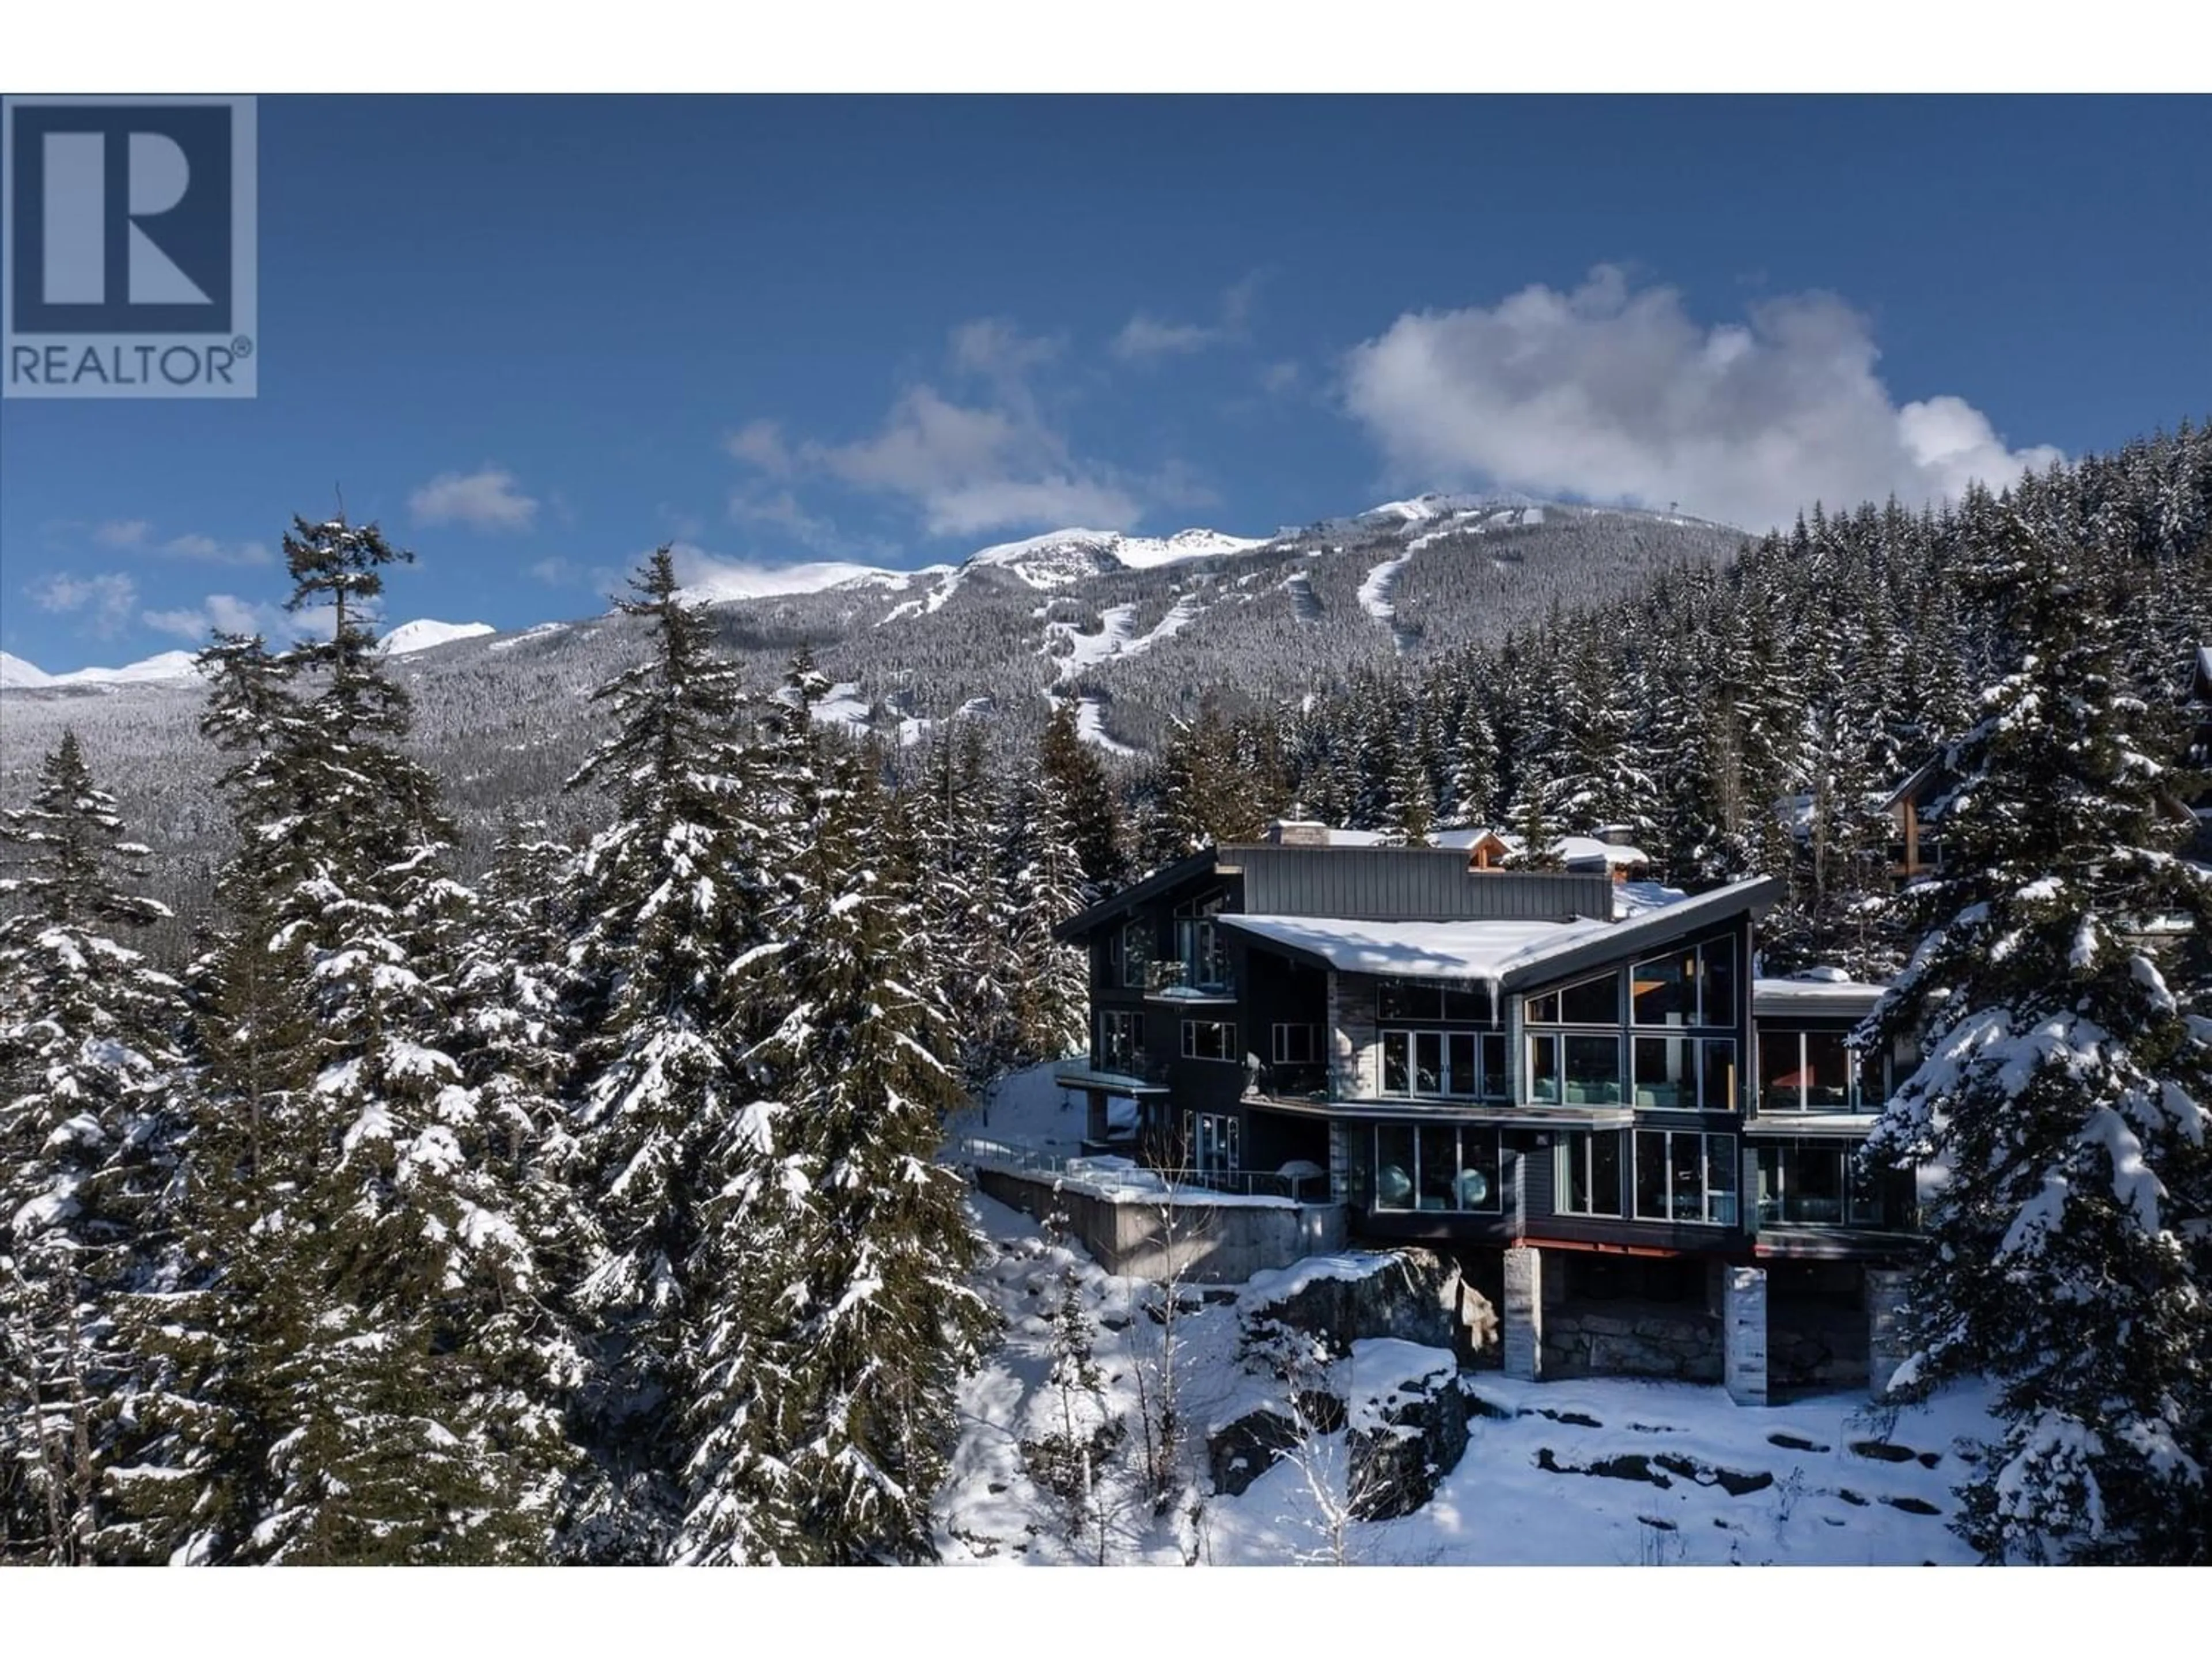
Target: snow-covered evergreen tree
x,y
2061,1106
87,1057
1040,885
1077,780
823,1435
670,892
332,1360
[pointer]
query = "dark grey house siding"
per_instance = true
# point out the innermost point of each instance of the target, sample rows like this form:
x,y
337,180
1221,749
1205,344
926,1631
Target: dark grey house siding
x,y
1406,884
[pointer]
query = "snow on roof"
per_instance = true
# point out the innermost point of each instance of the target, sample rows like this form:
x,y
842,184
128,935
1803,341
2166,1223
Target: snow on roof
x,y
1831,986
1488,950
1484,951
1574,849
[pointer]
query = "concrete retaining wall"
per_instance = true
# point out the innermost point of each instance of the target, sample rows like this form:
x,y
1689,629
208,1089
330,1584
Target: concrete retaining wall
x,y
1207,1243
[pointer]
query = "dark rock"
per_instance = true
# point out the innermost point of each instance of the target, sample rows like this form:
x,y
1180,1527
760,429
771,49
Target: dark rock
x,y
1881,1451
1413,1295
1734,1482
1794,1444
1241,1453
1407,1438
1912,1505
1632,1466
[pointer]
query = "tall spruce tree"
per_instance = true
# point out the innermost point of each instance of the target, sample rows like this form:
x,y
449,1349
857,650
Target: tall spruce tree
x,y
87,1061
825,1432
2062,1101
328,1398
671,890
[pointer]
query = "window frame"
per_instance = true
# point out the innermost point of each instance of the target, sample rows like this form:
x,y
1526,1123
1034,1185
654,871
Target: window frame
x,y
1860,1200
1580,1145
1699,1044
1419,1134
1707,1194
1276,1046
1854,1070
1235,1054
1703,1018
1137,963
1134,1020
1475,1044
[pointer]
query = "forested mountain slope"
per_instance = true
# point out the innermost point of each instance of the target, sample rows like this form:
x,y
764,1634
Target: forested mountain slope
x,y
1137,629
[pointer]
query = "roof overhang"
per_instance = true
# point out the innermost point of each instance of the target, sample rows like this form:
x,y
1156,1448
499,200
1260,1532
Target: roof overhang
x,y
1814,999
1109,908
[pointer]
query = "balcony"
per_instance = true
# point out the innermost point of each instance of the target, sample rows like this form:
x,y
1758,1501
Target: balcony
x,y
1127,1071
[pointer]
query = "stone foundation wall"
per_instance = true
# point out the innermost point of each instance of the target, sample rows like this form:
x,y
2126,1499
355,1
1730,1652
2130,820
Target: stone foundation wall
x,y
1671,1339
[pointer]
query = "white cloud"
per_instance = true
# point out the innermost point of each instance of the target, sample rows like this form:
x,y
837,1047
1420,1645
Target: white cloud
x,y
105,602
1146,338
490,498
138,535
225,613
1613,393
761,443
558,573
208,550
984,456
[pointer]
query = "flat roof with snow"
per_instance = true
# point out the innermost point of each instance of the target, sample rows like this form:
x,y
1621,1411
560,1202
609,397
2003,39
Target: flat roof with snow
x,y
1495,952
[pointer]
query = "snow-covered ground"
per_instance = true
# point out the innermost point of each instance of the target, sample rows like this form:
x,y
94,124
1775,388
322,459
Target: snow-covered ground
x,y
1596,1473
1091,726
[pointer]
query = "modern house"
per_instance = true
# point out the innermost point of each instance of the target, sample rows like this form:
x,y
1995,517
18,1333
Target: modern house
x,y
1569,1082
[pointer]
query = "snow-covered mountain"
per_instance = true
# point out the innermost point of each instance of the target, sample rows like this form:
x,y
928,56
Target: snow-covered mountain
x,y
1134,630
1062,557
424,633
17,675
728,583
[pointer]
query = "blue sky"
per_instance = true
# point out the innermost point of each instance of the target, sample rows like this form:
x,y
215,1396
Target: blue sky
x,y
536,337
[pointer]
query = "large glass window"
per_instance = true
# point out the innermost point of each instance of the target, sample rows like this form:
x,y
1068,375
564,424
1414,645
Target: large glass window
x,y
1202,954
1693,985
1295,1045
1817,1183
1814,1071
1589,1173
1210,1039
1436,1166
1575,1068
1409,1000
1443,1064
1684,1176
1136,952
1212,1140
1120,1036
1587,1002
1421,1001
1684,1073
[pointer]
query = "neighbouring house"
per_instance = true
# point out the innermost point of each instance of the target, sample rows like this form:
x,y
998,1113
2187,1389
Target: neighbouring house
x,y
1570,1084
1915,849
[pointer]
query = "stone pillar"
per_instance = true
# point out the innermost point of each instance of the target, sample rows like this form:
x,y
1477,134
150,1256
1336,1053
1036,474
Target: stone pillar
x,y
1743,1335
1886,1346
1524,1313
1340,1162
